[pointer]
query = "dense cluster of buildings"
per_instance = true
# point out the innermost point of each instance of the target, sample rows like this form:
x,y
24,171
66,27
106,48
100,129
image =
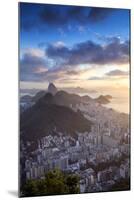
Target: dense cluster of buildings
x,y
99,157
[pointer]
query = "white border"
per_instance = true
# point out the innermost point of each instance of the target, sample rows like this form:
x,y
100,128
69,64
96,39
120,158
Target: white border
x,y
9,98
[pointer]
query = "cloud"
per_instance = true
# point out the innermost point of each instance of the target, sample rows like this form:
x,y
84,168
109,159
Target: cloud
x,y
111,74
59,44
59,53
99,14
89,52
107,39
96,78
117,73
63,73
73,72
61,15
35,66
53,15
32,64
37,16
81,29
58,61
58,15
33,52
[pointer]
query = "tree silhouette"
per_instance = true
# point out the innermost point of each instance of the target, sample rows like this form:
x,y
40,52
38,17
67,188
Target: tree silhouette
x,y
54,183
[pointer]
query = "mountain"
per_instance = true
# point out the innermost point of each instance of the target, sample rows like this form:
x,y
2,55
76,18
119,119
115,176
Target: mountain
x,y
86,98
108,96
42,118
35,98
103,99
53,110
26,98
52,89
64,99
27,101
38,95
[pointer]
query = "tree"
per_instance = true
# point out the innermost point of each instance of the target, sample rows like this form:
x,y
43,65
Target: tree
x,y
30,188
72,182
54,183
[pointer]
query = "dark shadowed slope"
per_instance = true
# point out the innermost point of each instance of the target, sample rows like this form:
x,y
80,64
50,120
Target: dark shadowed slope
x,y
40,119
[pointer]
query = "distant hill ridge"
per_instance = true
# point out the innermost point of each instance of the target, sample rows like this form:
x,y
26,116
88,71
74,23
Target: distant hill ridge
x,y
64,98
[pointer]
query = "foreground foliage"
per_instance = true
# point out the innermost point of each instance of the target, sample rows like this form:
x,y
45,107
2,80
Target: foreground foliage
x,y
54,183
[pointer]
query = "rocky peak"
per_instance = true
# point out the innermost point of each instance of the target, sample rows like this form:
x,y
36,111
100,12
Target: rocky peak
x,y
52,89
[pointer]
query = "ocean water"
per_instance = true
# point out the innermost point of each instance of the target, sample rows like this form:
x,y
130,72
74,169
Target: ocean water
x,y
119,104
120,99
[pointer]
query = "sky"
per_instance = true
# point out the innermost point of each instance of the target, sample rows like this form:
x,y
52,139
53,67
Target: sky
x,y
74,46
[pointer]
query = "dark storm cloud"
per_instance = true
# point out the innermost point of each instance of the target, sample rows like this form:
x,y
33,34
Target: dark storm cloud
x,y
29,66
117,73
61,15
99,14
115,52
61,61
53,15
39,15
61,52
35,68
30,61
